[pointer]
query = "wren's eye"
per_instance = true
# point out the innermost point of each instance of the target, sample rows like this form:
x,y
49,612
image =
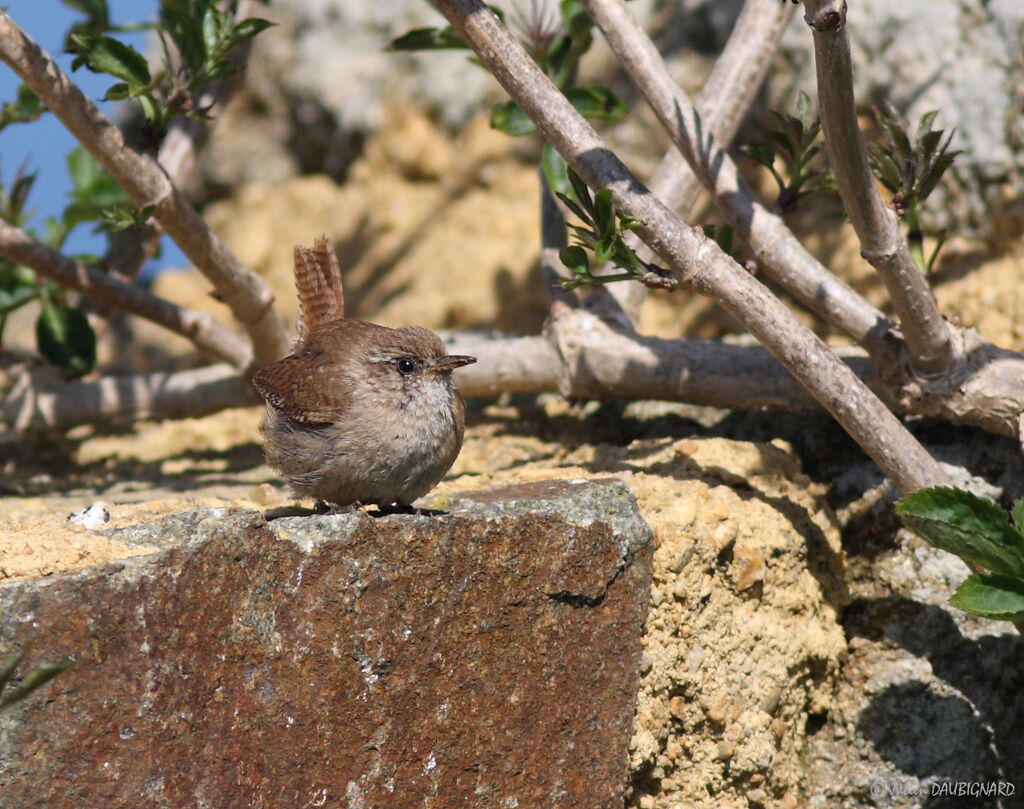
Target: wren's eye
x,y
406,365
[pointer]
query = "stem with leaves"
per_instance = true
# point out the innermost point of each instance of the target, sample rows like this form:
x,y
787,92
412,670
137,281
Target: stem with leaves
x,y
723,102
245,293
910,172
120,294
775,246
694,258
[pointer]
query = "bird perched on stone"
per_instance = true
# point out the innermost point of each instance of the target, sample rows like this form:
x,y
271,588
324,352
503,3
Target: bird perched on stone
x,y
358,413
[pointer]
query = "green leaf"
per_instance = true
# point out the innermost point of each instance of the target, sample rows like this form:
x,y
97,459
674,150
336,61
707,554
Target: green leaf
x,y
212,25
118,92
969,526
761,153
95,10
803,108
575,259
120,217
556,170
186,33
82,167
573,206
218,70
428,39
604,250
604,214
65,337
991,596
1017,512
582,192
11,299
8,668
596,103
108,55
508,118
722,235
246,30
94,190
25,107
36,678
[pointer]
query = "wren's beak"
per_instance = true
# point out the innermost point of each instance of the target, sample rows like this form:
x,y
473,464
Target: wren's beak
x,y
449,362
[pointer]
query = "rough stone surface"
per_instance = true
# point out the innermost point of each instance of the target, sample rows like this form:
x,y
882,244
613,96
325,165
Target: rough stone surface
x,y
833,675
487,656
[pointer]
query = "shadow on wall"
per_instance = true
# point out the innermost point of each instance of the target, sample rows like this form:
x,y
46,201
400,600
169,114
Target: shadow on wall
x,y
971,734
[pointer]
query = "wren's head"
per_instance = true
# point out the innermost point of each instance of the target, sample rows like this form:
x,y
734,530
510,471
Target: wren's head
x,y
409,366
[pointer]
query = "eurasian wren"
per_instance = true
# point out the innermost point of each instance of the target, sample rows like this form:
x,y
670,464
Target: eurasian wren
x,y
358,413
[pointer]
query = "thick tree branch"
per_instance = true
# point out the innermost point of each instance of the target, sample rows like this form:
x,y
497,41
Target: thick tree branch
x,y
245,293
35,406
776,248
695,259
120,294
927,334
722,104
586,355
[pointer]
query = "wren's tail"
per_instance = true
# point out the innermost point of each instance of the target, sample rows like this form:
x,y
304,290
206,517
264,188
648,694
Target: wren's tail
x,y
318,284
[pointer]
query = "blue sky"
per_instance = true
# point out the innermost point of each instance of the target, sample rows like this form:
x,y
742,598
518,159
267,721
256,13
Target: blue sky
x,y
45,142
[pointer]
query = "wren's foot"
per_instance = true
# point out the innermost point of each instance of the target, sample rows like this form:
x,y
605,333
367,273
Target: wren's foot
x,y
384,511
322,507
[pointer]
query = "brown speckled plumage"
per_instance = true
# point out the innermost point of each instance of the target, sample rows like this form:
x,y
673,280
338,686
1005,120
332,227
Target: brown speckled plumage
x,y
358,413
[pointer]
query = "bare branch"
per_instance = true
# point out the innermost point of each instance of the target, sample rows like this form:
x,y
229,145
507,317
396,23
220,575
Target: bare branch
x,y
727,95
695,259
775,246
245,293
36,406
505,364
722,104
882,244
119,293
586,355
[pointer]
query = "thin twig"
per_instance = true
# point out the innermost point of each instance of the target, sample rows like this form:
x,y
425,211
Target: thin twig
x,y
121,294
776,248
927,334
244,292
695,259
723,102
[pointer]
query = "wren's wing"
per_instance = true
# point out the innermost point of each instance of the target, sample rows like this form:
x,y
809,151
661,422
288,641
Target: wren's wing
x,y
318,283
307,387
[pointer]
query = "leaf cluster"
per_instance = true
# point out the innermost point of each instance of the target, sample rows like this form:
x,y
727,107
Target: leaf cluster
x,y
197,38
25,107
64,335
602,234
978,531
556,43
38,677
795,141
910,170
